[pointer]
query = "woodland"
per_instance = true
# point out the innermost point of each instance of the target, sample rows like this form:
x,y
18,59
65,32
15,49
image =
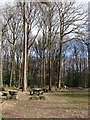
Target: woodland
x,y
45,45
54,39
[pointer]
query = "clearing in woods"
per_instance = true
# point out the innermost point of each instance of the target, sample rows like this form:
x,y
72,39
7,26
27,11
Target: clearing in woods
x,y
67,104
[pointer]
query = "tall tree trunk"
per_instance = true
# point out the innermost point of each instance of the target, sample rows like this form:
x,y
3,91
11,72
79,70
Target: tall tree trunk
x,y
89,64
84,73
50,82
30,62
12,69
1,82
19,73
41,73
25,51
88,44
14,78
80,65
43,58
56,62
60,65
76,57
61,42
64,70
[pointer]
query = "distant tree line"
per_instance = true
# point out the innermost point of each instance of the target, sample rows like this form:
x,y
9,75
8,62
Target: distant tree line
x,y
56,44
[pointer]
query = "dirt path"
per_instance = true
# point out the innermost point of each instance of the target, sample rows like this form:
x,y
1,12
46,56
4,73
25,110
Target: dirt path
x,y
52,107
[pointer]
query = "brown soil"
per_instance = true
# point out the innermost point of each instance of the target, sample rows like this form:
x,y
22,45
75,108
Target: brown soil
x,y
52,107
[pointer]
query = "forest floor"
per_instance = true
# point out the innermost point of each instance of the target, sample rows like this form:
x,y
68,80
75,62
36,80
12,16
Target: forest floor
x,y
56,105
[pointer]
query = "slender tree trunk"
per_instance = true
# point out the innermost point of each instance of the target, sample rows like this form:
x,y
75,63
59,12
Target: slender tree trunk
x,y
80,65
61,42
41,73
25,53
64,70
43,58
88,44
89,64
1,82
60,65
11,78
30,64
12,69
44,68
27,50
27,69
76,58
19,73
14,78
56,62
80,68
50,82
85,84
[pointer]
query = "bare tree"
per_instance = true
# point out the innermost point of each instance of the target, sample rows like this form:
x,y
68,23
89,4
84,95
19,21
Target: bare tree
x,y
69,17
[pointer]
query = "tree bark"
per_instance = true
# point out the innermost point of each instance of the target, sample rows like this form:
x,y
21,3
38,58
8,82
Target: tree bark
x,y
25,51
1,82
41,73
61,17
50,82
50,20
12,70
43,58
19,73
89,64
85,84
60,65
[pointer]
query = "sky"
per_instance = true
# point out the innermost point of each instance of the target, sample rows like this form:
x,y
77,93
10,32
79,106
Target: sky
x,y
83,0
4,1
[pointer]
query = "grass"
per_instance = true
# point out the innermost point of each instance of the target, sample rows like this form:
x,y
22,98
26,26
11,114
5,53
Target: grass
x,y
74,94
75,100
76,97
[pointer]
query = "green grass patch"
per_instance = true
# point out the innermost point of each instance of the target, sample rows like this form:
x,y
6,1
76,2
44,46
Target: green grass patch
x,y
74,100
72,94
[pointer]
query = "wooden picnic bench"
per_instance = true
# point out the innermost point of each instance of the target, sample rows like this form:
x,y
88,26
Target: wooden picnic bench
x,y
10,94
4,93
37,91
13,94
45,90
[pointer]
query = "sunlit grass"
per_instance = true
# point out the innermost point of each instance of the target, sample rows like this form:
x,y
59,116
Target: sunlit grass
x,y
73,94
75,100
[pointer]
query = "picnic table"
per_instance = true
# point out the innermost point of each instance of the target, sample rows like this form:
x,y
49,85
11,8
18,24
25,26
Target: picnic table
x,y
14,94
37,91
4,93
10,94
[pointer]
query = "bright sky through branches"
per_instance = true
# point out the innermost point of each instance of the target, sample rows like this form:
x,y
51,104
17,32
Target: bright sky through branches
x,y
83,1
4,1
